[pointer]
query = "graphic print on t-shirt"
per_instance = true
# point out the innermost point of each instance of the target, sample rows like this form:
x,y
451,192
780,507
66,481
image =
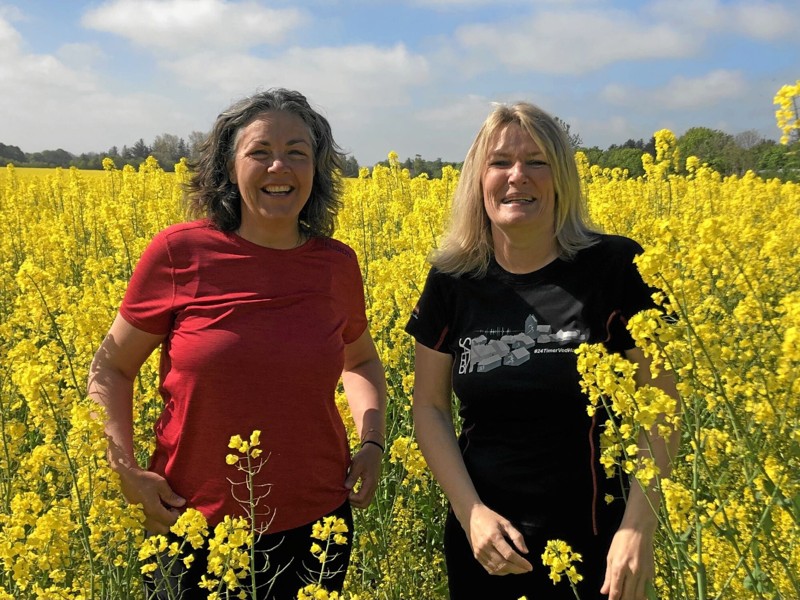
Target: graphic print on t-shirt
x,y
496,348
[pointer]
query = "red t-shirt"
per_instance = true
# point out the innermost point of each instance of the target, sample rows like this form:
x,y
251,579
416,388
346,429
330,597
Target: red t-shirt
x,y
254,340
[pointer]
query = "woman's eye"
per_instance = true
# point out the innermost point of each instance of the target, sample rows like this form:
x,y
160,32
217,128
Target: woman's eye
x,y
537,164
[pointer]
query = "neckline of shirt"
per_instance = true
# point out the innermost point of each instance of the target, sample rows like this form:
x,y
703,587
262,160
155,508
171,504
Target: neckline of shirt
x,y
237,239
525,278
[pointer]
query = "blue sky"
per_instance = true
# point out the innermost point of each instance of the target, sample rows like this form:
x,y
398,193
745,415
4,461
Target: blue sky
x,y
413,76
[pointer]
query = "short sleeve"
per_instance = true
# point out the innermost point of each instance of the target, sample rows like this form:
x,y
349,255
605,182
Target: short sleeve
x,y
429,322
149,298
633,294
638,295
354,302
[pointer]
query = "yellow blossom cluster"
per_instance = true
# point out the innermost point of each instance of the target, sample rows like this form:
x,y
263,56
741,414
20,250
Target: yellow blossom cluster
x,y
405,451
787,115
558,555
720,250
246,447
229,557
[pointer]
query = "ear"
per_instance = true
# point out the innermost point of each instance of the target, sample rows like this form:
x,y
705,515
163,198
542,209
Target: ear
x,y
232,171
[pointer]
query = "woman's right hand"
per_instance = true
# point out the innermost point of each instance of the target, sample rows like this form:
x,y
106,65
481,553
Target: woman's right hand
x,y
159,503
489,535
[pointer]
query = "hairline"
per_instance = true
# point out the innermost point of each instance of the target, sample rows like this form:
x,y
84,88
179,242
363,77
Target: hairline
x,y
237,133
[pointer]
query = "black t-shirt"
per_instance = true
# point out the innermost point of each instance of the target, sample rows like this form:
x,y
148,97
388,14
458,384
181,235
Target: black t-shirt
x,y
528,443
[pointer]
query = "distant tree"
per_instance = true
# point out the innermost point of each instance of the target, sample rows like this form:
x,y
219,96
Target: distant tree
x,y
744,156
748,139
624,157
771,157
419,165
195,139
436,168
637,144
11,154
51,158
166,149
183,149
140,150
778,160
650,146
633,144
88,160
350,167
711,146
593,154
574,139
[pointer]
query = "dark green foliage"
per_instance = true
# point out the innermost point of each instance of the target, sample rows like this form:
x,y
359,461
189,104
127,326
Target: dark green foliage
x,y
419,165
11,154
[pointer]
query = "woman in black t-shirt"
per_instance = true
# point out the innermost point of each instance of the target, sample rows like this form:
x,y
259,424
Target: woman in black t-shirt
x,y
519,281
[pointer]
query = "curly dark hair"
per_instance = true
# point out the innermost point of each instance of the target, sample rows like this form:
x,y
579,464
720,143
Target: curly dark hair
x,y
210,192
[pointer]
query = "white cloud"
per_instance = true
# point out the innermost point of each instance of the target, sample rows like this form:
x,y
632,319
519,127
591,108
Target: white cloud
x,y
572,41
35,75
54,105
390,88
11,13
9,38
185,26
715,87
753,19
471,110
616,128
461,4
765,21
691,14
680,93
346,80
79,55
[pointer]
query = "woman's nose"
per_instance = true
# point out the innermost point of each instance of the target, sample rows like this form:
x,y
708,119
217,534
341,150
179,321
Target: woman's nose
x,y
277,165
517,172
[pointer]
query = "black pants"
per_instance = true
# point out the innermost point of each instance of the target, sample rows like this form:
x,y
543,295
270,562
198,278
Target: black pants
x,y
467,579
283,564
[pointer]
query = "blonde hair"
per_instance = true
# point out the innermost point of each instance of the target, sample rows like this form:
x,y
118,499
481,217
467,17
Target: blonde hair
x,y
467,243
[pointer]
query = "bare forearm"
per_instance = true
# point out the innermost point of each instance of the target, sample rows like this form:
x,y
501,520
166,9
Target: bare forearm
x,y
659,445
114,392
439,446
111,377
365,388
641,511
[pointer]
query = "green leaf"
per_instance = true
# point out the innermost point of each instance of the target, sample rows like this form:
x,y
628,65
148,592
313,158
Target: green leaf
x,y
650,590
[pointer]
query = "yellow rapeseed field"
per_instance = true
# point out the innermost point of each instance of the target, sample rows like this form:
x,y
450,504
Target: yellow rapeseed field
x,y
723,250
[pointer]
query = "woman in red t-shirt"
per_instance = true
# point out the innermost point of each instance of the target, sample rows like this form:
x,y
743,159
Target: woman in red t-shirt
x,y
258,313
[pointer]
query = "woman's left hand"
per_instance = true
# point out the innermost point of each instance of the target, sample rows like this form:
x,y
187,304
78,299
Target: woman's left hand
x,y
366,467
629,565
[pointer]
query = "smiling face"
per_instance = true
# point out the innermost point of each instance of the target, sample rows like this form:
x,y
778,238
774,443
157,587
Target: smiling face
x,y
518,192
273,167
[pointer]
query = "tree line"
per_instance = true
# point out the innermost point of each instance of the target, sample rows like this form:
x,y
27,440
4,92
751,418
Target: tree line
x,y
167,149
727,154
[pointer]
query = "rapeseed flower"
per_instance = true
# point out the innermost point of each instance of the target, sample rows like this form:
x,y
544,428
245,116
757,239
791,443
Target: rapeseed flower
x,y
719,249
